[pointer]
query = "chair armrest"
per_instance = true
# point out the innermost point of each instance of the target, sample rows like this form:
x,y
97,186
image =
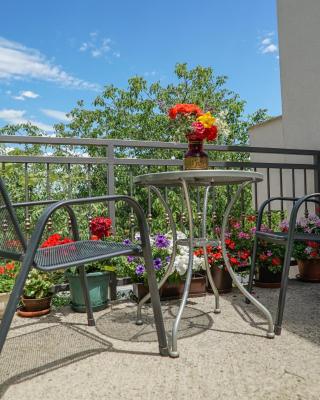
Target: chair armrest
x,y
35,239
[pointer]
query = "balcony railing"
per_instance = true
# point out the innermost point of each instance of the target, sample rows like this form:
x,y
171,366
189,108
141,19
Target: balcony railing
x,y
297,175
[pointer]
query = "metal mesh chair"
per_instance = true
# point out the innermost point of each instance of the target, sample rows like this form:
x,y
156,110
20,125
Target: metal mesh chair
x,y
285,239
14,245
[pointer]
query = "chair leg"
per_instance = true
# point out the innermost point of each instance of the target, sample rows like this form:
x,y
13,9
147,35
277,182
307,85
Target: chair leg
x,y
156,305
12,304
283,290
253,266
86,296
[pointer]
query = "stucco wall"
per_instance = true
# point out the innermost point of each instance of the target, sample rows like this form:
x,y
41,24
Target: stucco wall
x,y
299,45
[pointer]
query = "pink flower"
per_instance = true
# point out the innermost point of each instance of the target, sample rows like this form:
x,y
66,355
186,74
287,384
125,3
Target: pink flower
x,y
198,130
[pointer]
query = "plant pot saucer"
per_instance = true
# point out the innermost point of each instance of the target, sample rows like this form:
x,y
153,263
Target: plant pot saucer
x,y
32,314
300,278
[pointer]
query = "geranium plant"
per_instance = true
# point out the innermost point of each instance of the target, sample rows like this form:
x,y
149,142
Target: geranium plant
x,y
8,273
195,124
308,249
100,228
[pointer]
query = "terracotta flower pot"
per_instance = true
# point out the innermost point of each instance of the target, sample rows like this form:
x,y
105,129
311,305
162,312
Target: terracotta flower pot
x,y
4,298
34,307
221,279
309,270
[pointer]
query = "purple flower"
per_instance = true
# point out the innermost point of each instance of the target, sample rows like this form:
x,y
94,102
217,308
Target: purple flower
x,y
140,269
236,225
157,264
253,230
217,230
130,259
269,253
168,258
318,223
161,241
127,242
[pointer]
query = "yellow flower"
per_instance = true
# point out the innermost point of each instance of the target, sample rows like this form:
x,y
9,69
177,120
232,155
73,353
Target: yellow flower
x,y
206,119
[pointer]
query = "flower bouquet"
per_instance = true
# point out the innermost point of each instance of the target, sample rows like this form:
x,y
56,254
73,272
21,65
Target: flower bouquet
x,y
197,126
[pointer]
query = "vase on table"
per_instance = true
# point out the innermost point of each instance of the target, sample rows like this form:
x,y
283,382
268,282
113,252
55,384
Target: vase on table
x,y
195,157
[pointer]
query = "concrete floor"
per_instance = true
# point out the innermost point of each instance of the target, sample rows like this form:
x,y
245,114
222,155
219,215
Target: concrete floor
x,y
222,356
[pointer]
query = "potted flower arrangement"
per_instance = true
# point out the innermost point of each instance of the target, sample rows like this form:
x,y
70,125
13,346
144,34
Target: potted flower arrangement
x,y
307,253
8,273
37,295
197,126
161,250
97,273
269,265
238,243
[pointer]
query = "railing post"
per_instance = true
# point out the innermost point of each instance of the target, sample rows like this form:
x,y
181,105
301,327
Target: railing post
x,y
110,183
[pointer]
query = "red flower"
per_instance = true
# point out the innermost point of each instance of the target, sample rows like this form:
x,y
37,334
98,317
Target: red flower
x,y
234,261
10,266
212,133
314,245
263,257
217,256
184,109
2,271
251,218
276,261
244,254
314,254
100,227
94,237
231,244
55,240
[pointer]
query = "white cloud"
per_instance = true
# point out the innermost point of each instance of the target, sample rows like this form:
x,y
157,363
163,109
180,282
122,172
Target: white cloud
x,y
59,115
11,116
267,44
271,48
20,62
98,47
266,41
26,94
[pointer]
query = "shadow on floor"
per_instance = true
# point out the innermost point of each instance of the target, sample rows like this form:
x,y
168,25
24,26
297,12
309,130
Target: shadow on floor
x,y
48,348
301,314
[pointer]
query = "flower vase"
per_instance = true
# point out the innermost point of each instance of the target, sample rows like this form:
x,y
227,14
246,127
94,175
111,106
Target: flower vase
x,y
195,157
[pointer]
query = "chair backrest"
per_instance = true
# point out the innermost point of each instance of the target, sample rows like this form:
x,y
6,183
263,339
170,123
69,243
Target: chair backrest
x,y
12,240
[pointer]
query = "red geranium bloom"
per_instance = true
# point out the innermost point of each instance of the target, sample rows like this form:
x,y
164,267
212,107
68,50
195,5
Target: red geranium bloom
x,y
263,257
276,261
314,245
2,271
100,227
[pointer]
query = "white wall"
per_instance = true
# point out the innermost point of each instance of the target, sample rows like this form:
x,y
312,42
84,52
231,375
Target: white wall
x,y
299,45
299,127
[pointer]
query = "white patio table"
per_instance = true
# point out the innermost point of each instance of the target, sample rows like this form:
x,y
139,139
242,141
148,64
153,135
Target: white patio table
x,y
207,179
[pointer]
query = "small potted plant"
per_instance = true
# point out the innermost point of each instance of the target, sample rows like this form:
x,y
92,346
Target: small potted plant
x,y
238,242
161,251
37,295
307,253
97,273
269,265
8,272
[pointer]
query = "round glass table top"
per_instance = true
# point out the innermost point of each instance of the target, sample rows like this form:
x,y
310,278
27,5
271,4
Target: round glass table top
x,y
198,177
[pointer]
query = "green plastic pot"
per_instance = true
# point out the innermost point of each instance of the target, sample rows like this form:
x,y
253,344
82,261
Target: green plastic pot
x,y
98,283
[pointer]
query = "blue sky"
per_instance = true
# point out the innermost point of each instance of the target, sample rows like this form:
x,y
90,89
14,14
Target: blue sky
x,y
55,53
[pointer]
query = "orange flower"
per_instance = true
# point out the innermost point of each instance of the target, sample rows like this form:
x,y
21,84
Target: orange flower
x,y
184,109
10,266
2,270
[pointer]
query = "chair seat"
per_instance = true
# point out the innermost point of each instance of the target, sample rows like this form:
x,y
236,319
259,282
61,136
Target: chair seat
x,y
282,237
81,252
